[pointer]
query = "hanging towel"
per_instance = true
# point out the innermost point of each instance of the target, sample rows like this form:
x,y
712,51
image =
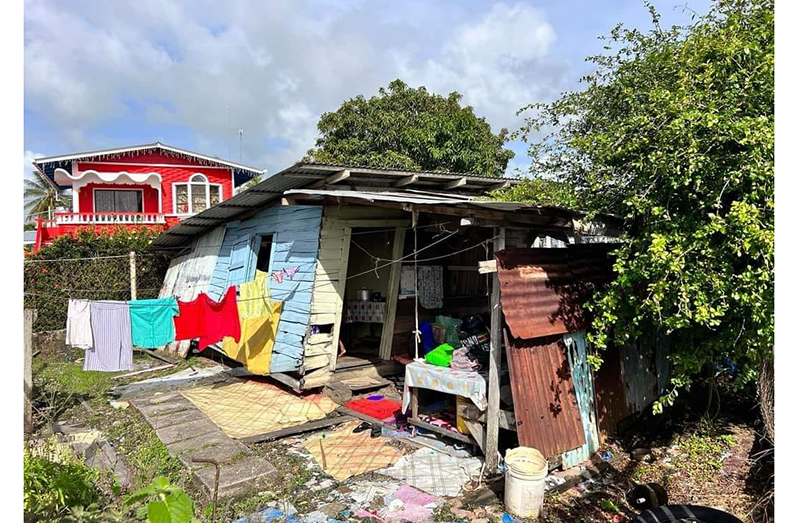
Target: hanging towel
x,y
152,322
253,297
430,286
78,326
254,349
113,346
208,320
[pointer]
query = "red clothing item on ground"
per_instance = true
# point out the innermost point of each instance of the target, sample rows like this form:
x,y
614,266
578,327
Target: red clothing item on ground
x,y
380,409
208,320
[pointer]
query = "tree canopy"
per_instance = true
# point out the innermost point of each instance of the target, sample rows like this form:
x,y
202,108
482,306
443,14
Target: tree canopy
x,y
411,129
675,132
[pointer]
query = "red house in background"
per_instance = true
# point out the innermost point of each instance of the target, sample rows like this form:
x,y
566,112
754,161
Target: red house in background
x,y
154,185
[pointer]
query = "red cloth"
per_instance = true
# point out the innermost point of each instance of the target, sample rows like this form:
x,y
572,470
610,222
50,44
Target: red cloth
x,y
380,409
208,320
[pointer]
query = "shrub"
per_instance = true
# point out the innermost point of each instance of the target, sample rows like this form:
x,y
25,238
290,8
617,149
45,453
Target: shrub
x,y
53,275
52,487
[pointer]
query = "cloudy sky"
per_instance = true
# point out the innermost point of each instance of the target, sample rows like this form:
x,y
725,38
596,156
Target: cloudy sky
x,y
107,74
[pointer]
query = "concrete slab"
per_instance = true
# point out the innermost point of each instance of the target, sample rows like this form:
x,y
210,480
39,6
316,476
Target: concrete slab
x,y
198,442
163,408
222,453
186,430
175,418
250,474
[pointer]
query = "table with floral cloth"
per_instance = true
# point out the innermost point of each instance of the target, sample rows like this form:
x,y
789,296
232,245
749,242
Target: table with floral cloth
x,y
469,384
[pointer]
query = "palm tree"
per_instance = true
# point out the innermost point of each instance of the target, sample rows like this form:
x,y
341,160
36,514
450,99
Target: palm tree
x,y
41,196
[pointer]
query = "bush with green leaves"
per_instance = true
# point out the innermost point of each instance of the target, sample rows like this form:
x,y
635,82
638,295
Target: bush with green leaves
x,y
51,487
674,132
77,266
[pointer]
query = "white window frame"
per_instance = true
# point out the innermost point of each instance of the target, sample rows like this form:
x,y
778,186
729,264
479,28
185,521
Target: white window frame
x,y
94,197
192,180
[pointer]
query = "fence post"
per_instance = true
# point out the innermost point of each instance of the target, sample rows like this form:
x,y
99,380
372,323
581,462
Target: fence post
x,y
132,275
30,317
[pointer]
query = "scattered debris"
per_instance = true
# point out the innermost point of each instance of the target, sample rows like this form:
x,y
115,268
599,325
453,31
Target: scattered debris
x,y
434,472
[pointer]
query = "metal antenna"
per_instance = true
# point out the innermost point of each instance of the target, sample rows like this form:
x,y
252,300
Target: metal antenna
x,y
241,146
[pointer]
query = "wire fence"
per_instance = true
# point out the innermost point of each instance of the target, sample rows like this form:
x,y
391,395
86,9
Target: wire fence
x,y
50,283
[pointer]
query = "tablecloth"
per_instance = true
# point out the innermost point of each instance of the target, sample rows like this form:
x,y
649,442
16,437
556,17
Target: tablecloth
x,y
469,384
365,311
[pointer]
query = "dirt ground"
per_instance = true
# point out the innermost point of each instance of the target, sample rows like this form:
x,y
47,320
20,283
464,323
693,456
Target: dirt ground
x,y
697,460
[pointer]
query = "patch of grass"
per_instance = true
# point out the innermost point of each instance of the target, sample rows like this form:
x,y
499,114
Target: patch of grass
x,y
237,509
72,379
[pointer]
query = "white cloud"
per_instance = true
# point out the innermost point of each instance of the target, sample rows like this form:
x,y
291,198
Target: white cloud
x,y
277,65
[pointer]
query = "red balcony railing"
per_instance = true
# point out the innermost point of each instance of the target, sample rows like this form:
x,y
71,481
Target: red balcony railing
x,y
105,218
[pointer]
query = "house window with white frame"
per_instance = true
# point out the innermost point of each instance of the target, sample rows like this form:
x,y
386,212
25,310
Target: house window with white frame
x,y
196,195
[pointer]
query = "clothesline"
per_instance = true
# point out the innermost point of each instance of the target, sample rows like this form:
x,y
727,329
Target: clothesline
x,y
315,284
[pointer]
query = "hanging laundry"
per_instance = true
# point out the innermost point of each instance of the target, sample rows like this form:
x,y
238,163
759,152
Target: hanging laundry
x,y
253,297
430,286
208,320
278,276
110,328
152,322
291,272
254,349
78,325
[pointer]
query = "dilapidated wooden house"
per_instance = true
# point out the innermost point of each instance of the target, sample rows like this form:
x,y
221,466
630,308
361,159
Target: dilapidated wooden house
x,y
345,249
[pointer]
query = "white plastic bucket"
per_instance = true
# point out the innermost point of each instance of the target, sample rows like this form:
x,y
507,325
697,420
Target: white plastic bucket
x,y
524,482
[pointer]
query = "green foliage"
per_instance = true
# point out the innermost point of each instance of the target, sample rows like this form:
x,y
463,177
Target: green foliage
x,y
167,503
411,129
675,132
540,191
50,488
72,379
48,285
41,195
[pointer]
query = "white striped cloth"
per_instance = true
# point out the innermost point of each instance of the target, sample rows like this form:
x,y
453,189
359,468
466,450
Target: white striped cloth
x,y
113,343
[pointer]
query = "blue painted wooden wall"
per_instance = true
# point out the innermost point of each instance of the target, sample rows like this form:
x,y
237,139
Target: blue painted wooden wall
x,y
576,348
295,243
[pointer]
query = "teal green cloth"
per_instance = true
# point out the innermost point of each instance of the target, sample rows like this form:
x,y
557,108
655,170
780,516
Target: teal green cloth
x,y
440,355
152,322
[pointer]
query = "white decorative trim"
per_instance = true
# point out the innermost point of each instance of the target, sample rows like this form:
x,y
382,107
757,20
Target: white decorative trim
x,y
108,177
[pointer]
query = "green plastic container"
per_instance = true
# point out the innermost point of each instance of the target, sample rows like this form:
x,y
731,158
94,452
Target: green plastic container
x,y
440,355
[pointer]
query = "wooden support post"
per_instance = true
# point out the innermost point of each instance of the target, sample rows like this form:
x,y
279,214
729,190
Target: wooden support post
x,y
386,341
494,365
30,317
132,275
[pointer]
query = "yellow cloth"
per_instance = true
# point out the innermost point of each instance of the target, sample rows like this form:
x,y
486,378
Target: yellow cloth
x,y
250,407
259,318
254,349
253,297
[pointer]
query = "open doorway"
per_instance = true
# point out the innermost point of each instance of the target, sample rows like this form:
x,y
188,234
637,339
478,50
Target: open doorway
x,y
365,296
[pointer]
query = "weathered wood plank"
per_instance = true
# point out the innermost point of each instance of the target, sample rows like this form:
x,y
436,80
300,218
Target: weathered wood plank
x,y
299,429
386,341
494,365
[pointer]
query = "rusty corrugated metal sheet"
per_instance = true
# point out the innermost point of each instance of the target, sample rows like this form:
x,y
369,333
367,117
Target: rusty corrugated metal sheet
x,y
544,400
542,290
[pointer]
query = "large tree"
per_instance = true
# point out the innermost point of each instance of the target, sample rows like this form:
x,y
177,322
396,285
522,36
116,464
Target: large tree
x,y
675,132
406,128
